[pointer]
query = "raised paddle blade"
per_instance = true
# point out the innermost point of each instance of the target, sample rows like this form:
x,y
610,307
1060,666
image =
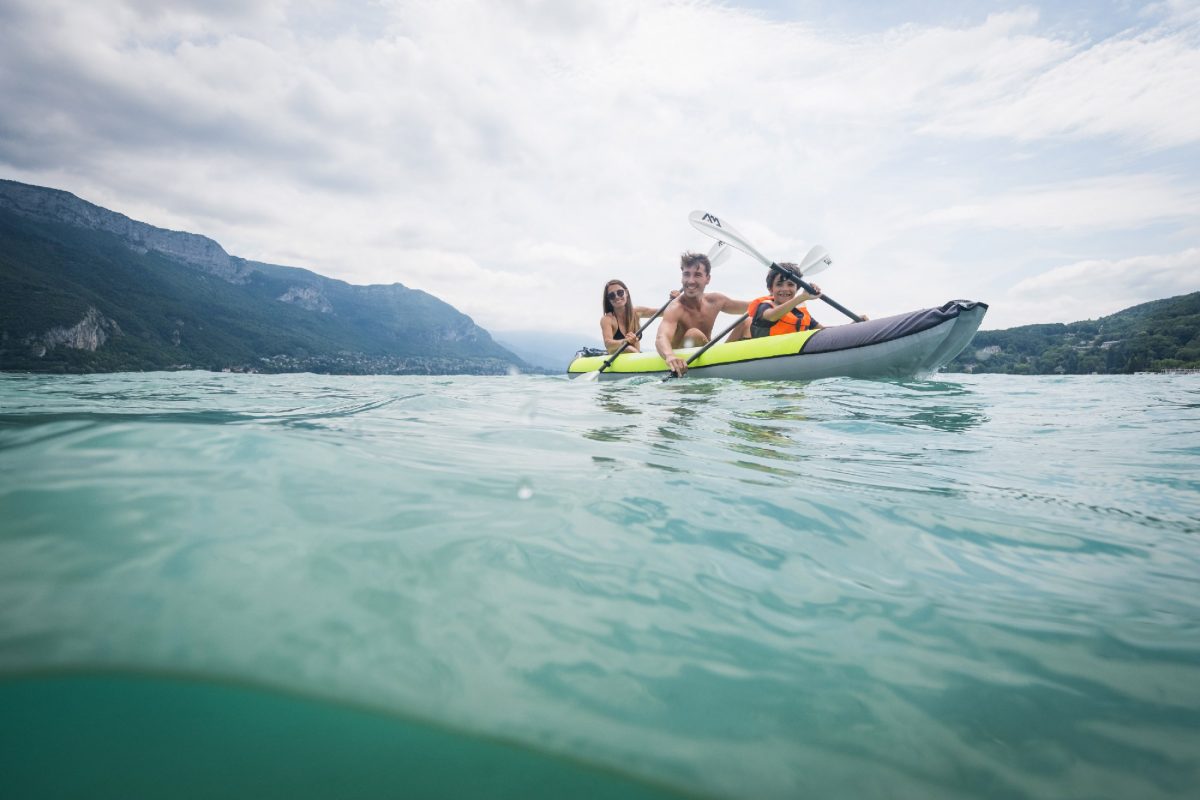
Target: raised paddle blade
x,y
711,225
815,260
719,252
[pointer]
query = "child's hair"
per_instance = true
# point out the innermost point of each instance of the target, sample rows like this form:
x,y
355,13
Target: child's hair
x,y
775,275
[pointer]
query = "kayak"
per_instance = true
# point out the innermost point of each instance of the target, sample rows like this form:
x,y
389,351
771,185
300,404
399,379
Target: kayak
x,y
890,348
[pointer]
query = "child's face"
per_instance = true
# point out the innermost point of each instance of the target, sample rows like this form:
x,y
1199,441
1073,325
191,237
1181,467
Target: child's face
x,y
783,290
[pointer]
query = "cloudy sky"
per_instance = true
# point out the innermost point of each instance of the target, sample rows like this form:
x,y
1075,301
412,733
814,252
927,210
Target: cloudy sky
x,y
509,156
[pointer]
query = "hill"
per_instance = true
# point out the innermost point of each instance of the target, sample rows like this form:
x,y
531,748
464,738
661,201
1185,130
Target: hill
x,y
85,289
1159,335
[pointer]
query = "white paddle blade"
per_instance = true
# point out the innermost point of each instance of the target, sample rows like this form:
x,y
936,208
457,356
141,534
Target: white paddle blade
x,y
815,260
719,252
711,225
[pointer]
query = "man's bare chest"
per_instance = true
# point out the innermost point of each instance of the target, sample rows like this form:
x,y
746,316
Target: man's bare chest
x,y
691,317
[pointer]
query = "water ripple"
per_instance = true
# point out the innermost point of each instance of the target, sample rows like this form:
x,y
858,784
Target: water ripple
x,y
978,587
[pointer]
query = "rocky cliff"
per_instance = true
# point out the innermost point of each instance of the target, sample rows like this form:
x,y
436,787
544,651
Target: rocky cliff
x,y
53,205
85,289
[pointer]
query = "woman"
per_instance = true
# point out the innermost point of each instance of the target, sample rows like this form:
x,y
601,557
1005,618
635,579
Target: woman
x,y
619,325
781,311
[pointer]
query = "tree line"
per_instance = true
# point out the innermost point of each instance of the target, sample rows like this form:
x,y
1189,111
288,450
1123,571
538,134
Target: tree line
x,y
1160,335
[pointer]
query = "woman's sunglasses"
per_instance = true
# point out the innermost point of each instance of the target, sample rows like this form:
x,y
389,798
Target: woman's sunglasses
x,y
615,293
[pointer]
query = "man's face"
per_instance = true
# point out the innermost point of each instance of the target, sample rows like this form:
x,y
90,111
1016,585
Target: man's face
x,y
695,279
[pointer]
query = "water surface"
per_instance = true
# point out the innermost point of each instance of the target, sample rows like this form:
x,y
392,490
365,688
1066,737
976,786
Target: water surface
x,y
975,586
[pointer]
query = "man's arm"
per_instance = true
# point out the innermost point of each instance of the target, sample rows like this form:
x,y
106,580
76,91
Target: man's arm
x,y
730,306
662,342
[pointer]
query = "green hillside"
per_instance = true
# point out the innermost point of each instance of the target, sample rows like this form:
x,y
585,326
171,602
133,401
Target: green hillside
x,y
1163,334
79,299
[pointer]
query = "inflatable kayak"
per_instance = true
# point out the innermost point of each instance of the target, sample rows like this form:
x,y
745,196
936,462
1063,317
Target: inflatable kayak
x,y
904,346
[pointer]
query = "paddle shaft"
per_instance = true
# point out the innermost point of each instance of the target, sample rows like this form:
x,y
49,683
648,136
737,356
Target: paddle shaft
x,y
796,279
711,342
621,349
711,225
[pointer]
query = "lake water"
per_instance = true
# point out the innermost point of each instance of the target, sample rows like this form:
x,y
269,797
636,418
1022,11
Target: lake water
x,y
299,585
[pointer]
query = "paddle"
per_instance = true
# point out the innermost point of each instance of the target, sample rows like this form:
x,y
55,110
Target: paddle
x,y
719,252
594,375
714,227
816,260
704,349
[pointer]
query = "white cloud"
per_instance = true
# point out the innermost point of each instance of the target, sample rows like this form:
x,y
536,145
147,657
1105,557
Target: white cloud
x,y
1178,11
1097,287
1140,86
510,157
1102,202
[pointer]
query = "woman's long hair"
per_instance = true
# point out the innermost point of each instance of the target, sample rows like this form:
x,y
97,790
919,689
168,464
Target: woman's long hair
x,y
630,323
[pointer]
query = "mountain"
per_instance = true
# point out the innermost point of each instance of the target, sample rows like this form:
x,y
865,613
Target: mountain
x,y
85,289
1163,334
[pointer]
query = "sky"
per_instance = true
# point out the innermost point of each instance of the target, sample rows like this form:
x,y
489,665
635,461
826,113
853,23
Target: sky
x,y
510,156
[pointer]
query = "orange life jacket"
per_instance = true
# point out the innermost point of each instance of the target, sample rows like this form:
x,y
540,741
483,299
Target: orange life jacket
x,y
798,319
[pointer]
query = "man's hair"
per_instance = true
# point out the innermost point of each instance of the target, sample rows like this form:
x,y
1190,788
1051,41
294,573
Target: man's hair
x,y
775,275
689,259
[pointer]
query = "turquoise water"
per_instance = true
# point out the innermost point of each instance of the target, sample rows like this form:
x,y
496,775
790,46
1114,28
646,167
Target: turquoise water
x,y
289,586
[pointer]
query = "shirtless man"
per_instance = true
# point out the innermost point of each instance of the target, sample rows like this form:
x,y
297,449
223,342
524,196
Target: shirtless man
x,y
689,322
